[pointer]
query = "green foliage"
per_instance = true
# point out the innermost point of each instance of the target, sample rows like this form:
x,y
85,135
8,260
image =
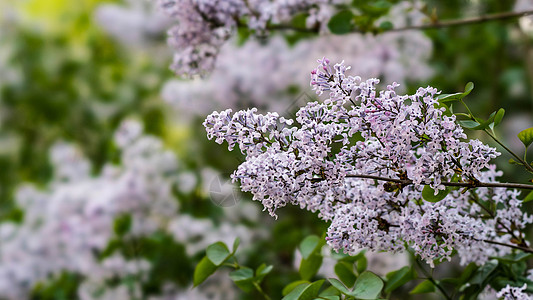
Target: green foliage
x,y
367,286
311,261
305,291
526,136
122,224
453,98
345,273
342,22
424,287
203,270
399,278
62,287
217,253
429,194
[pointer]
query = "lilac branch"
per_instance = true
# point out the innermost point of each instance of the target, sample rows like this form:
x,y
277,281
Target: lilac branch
x,y
472,184
433,25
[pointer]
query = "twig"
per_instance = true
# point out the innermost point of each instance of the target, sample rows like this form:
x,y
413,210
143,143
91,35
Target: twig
x,y
473,184
525,249
434,25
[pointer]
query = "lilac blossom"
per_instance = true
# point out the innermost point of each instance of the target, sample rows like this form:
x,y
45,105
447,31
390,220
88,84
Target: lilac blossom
x,y
317,164
203,27
70,221
514,293
236,82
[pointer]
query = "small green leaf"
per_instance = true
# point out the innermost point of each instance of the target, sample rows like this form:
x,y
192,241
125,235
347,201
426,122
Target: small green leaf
x,y
424,287
309,245
450,98
529,197
526,136
262,271
468,88
469,124
341,22
236,244
311,292
243,278
330,291
386,26
122,224
361,264
296,292
291,286
339,286
218,253
299,20
309,267
367,286
484,272
305,291
398,278
203,270
514,258
344,272
429,194
499,116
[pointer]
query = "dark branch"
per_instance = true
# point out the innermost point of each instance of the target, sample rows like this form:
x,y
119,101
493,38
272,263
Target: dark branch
x,y
433,25
472,184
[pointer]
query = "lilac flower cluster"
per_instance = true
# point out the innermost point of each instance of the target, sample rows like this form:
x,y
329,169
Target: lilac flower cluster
x,y
328,163
514,293
205,25
70,222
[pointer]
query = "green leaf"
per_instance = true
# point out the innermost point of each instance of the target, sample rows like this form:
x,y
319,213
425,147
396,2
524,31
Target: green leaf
x,y
514,162
291,286
243,278
483,273
341,22
236,244
429,194
262,271
311,291
305,291
309,267
218,253
361,264
425,286
122,224
469,124
465,275
514,258
330,297
468,88
450,98
528,198
296,292
203,270
339,286
499,116
299,20
386,26
344,272
398,278
526,136
309,245
330,291
368,286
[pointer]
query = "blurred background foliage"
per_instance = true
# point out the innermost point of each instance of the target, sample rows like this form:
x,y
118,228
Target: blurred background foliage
x,y
63,78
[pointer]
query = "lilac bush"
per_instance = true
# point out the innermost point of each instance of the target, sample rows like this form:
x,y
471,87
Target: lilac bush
x,y
389,172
